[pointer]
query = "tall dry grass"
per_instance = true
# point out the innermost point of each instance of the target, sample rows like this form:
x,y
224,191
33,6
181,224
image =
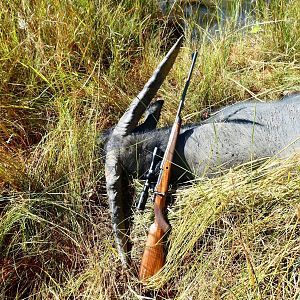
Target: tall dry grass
x,y
68,71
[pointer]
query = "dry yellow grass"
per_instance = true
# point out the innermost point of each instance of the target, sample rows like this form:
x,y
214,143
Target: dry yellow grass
x,y
68,71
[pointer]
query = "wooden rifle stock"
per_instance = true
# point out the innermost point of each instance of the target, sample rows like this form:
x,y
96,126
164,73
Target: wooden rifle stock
x,y
154,258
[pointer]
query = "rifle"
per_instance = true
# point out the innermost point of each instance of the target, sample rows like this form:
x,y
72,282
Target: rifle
x,y
153,258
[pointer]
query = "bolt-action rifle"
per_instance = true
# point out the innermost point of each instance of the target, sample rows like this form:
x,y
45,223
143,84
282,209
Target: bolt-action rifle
x,y
154,258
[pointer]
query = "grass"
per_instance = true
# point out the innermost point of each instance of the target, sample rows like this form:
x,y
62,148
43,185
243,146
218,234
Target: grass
x,y
237,235
68,71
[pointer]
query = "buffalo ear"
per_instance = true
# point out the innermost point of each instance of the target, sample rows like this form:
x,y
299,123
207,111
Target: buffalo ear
x,y
152,116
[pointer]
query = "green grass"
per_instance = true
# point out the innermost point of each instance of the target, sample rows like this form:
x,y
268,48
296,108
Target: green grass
x,y
68,71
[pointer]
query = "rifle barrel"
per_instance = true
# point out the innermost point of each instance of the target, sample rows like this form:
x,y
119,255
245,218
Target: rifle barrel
x,y
187,83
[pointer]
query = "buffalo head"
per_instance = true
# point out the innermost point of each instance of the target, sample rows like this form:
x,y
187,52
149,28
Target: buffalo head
x,y
116,181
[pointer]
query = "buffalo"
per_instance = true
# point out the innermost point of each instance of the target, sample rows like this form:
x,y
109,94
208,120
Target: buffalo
x,y
231,136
